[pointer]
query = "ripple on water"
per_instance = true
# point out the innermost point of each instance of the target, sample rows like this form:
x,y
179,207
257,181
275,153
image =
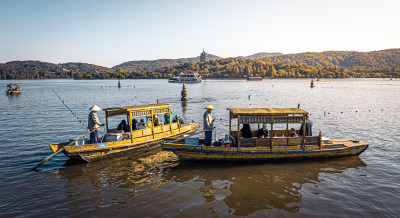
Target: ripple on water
x,y
158,184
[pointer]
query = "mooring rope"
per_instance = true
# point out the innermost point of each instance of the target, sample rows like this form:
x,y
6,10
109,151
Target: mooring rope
x,y
63,102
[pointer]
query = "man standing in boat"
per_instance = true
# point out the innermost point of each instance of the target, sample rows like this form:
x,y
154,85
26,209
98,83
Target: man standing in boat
x,y
94,123
208,124
308,129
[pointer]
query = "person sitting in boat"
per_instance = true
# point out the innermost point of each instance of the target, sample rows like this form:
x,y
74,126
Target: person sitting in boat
x,y
263,132
141,125
134,124
167,117
123,127
293,133
94,123
208,124
308,128
177,118
246,131
156,120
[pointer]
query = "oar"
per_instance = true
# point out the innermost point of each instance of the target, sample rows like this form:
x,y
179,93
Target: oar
x,y
62,149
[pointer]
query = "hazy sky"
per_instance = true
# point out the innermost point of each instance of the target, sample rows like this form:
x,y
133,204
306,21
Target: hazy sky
x,y
110,32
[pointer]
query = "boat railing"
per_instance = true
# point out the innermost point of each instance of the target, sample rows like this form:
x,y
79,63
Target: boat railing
x,y
279,141
276,133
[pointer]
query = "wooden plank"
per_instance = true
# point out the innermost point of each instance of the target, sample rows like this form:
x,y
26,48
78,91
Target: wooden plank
x,y
157,129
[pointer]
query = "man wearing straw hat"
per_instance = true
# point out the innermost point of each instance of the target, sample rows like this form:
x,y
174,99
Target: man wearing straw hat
x,y
94,123
208,124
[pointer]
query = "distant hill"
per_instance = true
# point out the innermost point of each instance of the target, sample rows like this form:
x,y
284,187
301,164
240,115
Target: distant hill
x,y
39,69
84,67
240,68
148,65
389,58
50,67
329,64
262,55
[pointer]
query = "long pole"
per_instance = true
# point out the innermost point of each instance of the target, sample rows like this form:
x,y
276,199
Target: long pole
x,y
62,149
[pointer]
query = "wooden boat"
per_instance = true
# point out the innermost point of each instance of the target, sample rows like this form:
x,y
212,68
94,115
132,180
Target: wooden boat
x,y
279,146
134,142
13,89
254,78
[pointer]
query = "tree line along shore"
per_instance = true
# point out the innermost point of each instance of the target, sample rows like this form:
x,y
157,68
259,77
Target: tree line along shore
x,y
378,64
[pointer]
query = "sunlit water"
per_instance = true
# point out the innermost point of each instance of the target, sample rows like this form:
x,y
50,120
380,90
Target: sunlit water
x,y
158,184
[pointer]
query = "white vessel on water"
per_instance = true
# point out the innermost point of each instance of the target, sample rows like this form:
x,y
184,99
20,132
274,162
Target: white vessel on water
x,y
186,78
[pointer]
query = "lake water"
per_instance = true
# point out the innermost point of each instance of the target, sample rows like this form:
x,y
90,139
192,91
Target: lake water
x,y
159,184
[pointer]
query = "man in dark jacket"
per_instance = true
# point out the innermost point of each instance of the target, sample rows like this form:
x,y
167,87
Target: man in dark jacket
x,y
263,132
309,124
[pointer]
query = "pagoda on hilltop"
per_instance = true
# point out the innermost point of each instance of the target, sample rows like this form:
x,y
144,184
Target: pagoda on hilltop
x,y
203,56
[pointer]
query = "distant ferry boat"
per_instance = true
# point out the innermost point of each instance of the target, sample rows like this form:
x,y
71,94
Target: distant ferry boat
x,y
186,78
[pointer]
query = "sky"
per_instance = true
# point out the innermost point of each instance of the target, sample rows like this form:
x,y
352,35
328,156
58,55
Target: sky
x,y
110,32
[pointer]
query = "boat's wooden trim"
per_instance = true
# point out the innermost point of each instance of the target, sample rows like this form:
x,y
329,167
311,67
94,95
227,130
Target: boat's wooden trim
x,y
104,150
340,148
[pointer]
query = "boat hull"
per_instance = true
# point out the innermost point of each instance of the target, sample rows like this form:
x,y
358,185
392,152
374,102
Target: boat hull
x,y
13,92
176,81
94,152
339,148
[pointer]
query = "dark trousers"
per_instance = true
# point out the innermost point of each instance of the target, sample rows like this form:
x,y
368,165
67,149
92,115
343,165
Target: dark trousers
x,y
94,137
207,139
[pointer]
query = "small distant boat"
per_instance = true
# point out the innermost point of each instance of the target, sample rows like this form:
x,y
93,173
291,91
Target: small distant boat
x,y
134,142
254,78
278,146
186,78
13,89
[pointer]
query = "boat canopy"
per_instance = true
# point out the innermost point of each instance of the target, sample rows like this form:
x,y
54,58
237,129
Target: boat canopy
x,y
138,110
266,111
269,116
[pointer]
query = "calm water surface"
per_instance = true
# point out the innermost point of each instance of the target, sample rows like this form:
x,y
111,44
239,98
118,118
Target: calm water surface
x,y
158,184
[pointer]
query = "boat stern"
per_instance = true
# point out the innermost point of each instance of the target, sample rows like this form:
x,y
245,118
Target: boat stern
x,y
55,146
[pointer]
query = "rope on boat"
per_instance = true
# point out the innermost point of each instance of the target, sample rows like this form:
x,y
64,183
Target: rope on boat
x,y
72,112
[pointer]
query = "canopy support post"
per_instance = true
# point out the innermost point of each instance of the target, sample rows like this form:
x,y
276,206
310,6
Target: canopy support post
x,y
271,138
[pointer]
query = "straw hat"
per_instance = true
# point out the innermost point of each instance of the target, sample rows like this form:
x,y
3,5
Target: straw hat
x,y
210,107
95,108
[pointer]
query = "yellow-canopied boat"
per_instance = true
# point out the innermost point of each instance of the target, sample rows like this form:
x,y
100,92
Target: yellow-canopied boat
x,y
134,142
278,146
13,89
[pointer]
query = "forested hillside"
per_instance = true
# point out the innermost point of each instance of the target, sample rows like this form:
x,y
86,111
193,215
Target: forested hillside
x,y
373,60
40,70
333,64
237,68
262,55
148,65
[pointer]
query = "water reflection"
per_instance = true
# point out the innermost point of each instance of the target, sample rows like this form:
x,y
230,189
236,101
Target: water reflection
x,y
254,187
184,105
13,97
244,188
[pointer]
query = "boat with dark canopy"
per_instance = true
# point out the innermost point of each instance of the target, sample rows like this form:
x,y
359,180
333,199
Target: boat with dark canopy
x,y
279,145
